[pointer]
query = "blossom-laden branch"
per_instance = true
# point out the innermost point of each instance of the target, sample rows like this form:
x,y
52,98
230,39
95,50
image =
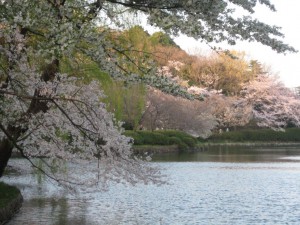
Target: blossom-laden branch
x,y
210,21
76,129
34,165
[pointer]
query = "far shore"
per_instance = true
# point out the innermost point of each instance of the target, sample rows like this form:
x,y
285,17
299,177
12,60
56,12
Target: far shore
x,y
206,146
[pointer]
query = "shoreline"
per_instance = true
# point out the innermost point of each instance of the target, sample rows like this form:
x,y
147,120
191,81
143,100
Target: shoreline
x,y
206,146
252,144
12,206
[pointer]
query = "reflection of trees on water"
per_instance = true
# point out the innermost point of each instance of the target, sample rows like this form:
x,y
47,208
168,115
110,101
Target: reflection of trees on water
x,y
230,154
59,211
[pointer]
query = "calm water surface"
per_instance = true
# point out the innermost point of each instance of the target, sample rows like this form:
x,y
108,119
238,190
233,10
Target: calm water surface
x,y
220,186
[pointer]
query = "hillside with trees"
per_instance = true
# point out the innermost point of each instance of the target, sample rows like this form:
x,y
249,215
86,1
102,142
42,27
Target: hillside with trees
x,y
227,90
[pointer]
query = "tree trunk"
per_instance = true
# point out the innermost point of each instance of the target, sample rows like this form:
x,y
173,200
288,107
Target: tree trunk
x,y
13,132
48,75
5,154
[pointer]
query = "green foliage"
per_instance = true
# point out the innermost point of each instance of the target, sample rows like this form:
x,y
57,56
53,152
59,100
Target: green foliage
x,y
163,39
174,141
191,142
135,51
153,137
169,137
63,135
148,138
175,133
125,101
7,193
263,135
81,66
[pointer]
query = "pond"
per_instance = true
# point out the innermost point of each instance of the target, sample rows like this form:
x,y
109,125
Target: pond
x,y
219,186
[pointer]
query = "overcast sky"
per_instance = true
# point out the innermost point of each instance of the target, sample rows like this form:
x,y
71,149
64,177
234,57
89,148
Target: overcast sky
x,y
287,17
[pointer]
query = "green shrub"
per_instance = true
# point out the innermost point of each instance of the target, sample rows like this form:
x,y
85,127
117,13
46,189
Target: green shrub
x,y
138,140
191,142
289,135
174,133
174,141
153,138
128,126
168,137
183,147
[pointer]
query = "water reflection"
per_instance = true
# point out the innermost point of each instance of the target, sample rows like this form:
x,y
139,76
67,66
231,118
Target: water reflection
x,y
51,211
234,154
222,186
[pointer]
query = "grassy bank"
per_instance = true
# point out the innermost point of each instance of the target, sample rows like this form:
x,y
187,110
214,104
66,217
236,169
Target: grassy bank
x,y
7,194
10,202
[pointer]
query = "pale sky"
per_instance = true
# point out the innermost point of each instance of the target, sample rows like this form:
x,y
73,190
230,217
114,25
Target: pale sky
x,y
287,66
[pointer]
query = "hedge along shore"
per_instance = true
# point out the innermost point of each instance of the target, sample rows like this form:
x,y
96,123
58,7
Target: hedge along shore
x,y
12,206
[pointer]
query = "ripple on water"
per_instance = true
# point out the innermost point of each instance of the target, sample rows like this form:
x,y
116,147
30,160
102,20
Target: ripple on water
x,y
200,193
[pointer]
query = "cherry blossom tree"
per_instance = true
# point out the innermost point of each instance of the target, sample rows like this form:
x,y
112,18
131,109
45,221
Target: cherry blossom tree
x,y
46,113
264,101
232,112
272,104
165,111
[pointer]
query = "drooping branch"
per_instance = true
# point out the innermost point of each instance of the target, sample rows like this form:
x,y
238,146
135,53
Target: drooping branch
x,y
13,142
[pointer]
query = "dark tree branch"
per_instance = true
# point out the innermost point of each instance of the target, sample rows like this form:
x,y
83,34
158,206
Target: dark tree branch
x,y
143,6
